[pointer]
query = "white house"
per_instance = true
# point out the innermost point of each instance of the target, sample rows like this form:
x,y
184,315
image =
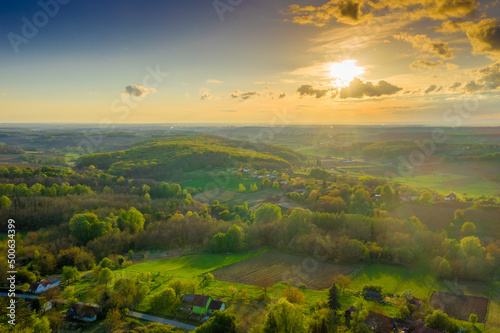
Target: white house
x,y
41,286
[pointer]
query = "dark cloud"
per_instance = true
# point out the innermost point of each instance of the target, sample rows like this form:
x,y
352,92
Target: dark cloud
x,y
485,37
244,96
359,89
354,12
431,88
138,91
455,85
425,64
308,90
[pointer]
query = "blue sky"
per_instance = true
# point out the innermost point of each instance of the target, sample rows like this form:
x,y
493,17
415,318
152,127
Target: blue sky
x,y
263,59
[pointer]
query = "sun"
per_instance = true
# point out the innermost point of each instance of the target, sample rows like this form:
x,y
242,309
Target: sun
x,y
342,73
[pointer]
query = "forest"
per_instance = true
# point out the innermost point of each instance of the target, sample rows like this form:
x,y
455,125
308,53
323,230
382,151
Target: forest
x,y
91,222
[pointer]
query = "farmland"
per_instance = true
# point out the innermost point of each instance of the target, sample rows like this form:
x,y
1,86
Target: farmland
x,y
460,306
280,267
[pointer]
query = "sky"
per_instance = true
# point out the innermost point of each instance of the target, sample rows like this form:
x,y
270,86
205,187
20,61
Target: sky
x,y
380,62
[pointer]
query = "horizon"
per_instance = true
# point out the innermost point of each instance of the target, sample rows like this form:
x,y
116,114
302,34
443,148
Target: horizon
x,y
429,64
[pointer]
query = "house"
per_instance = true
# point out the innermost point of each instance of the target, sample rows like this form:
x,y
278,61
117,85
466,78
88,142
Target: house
x,y
450,197
377,322
300,191
216,306
348,314
82,312
200,303
43,285
372,294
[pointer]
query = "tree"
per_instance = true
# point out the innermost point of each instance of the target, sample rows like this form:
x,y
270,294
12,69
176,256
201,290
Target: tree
x,y
267,213
132,220
41,325
234,238
164,299
85,227
254,188
425,197
242,188
334,298
471,247
285,317
473,319
113,320
294,295
70,274
459,215
232,290
265,282
220,322
105,276
468,229
5,202
342,281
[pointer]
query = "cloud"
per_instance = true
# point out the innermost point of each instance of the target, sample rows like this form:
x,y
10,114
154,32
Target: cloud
x,y
212,81
245,96
455,86
282,95
206,95
484,37
359,89
490,76
358,11
431,88
4,94
345,11
472,87
308,90
138,91
229,111
425,44
425,64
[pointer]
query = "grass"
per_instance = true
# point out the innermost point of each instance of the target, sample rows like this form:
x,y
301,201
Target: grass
x,y
396,279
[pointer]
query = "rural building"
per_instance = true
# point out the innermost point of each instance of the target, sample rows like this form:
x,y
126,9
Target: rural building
x,y
348,315
82,312
200,303
43,285
216,306
373,294
300,191
450,197
377,322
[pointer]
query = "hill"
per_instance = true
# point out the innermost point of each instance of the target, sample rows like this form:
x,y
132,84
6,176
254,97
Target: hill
x,y
166,156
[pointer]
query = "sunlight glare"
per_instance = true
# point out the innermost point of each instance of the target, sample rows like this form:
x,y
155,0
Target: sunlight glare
x,y
342,73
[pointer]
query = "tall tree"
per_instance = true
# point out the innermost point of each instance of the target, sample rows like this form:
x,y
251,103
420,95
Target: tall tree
x,y
221,322
333,298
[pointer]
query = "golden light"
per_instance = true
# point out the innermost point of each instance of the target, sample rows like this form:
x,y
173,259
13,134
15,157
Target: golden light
x,y
342,73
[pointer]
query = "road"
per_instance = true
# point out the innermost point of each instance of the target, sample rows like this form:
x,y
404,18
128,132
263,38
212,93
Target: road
x,y
161,320
20,295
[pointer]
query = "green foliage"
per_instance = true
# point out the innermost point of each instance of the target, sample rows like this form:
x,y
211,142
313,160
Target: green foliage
x,y
220,322
473,318
285,317
468,229
105,276
132,220
164,299
5,202
70,274
242,188
267,213
85,227
319,173
334,298
439,320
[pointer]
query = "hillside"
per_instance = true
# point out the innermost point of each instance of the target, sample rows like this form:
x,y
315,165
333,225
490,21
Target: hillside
x,y
165,156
